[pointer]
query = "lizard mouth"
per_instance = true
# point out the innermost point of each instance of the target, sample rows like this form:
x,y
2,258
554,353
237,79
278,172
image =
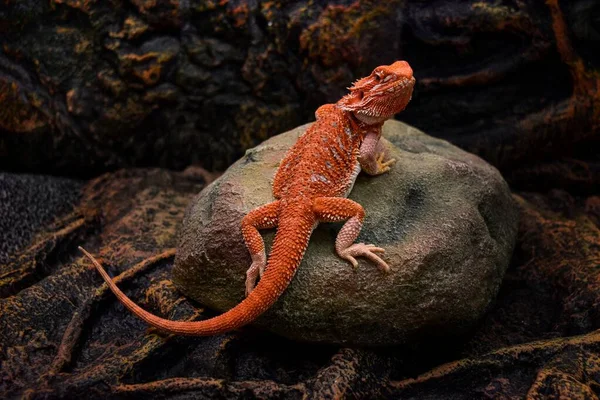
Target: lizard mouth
x,y
388,101
400,85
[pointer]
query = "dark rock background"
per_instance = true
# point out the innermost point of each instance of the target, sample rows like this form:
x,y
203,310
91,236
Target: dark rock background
x,y
63,334
88,87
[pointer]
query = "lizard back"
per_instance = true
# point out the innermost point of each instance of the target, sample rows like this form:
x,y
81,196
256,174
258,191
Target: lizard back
x,y
324,161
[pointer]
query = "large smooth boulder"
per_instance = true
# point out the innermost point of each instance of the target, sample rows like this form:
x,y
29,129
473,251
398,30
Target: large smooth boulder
x,y
445,218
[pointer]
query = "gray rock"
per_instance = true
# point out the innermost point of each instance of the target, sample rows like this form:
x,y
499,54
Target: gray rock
x,y
444,216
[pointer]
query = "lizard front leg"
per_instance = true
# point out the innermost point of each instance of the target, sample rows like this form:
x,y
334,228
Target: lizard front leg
x,y
372,154
263,217
336,209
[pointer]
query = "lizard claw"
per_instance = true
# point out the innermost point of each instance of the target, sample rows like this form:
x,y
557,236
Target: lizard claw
x,y
259,263
384,166
365,250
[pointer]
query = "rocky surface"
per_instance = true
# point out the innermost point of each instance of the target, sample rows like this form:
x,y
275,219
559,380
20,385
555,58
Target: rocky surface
x,y
444,216
87,86
63,335
27,204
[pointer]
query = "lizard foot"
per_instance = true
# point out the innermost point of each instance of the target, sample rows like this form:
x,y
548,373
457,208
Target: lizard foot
x,y
364,250
384,166
259,263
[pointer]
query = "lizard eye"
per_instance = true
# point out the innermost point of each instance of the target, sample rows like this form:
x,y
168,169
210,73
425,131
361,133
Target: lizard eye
x,y
360,94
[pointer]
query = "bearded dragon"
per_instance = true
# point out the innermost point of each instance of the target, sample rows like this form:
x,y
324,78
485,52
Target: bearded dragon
x,y
311,186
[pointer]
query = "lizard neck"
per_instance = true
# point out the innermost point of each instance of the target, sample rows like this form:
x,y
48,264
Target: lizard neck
x,y
361,127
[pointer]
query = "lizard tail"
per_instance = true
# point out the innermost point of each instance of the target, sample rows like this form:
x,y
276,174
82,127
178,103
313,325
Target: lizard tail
x,y
289,245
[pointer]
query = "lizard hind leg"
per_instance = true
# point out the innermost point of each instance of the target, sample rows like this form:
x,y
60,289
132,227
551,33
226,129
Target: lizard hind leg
x,y
336,209
263,217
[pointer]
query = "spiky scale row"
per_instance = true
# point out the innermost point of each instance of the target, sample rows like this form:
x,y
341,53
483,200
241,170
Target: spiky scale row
x,y
310,187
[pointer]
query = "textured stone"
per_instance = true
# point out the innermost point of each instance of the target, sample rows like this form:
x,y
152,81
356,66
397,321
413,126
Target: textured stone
x,y
444,216
64,335
28,202
90,86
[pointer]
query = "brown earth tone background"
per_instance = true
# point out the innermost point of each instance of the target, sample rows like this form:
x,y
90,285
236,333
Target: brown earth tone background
x,y
63,334
89,87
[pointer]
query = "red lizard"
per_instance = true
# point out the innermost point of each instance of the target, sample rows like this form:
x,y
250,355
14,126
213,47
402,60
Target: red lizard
x,y
310,186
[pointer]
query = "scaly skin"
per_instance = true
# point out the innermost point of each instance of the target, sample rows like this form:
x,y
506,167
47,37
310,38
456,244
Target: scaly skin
x,y
310,186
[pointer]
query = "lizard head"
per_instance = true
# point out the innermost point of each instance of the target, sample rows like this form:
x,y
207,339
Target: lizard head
x,y
380,95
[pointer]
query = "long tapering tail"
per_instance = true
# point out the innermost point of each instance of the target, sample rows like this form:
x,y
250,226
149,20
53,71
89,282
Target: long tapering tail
x,y
288,248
